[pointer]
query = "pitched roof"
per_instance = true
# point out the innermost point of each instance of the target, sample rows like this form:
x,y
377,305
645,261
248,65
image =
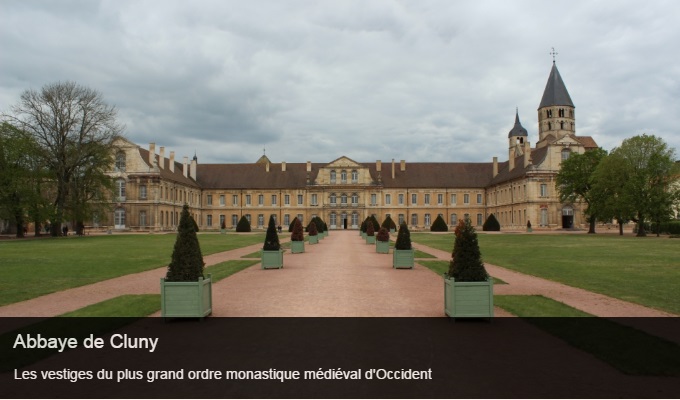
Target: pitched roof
x,y
587,141
504,173
555,93
177,175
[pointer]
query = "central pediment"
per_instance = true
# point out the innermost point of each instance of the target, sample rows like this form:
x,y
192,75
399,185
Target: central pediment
x,y
344,162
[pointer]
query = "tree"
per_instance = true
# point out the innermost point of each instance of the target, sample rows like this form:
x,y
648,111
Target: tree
x,y
370,231
491,224
297,234
403,238
389,224
243,225
73,126
466,264
383,235
439,225
607,194
187,260
311,229
575,180
271,241
645,171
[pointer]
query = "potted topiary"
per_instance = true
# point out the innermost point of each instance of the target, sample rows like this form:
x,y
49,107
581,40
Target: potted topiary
x,y
382,241
439,225
389,224
272,254
370,233
243,225
403,251
297,238
185,292
468,289
223,227
362,228
319,227
313,233
529,226
491,224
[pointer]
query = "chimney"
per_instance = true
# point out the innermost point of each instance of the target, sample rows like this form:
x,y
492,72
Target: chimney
x,y
172,161
495,166
283,166
403,165
152,153
266,166
378,166
511,159
393,168
161,158
185,171
527,154
309,166
192,170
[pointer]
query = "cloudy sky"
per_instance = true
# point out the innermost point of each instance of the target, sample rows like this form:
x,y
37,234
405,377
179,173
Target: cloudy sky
x,y
314,80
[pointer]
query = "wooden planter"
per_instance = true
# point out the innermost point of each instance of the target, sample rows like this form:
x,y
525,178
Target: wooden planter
x,y
370,239
468,299
272,259
297,247
186,299
402,259
382,247
313,239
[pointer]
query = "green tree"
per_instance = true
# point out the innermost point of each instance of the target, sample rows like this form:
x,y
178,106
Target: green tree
x,y
575,180
187,260
439,225
243,225
403,238
72,125
491,224
466,264
645,171
388,223
271,241
607,194
297,234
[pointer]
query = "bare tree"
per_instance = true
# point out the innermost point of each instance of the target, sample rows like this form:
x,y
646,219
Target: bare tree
x,y
72,124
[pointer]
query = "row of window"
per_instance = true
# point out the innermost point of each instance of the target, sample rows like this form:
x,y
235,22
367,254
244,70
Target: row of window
x,y
343,176
333,199
560,113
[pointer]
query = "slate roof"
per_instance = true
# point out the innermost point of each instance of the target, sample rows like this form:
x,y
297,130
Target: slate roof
x,y
177,176
518,129
555,93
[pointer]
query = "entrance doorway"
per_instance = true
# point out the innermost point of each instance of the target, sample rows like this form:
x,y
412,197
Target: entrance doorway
x,y
344,223
567,218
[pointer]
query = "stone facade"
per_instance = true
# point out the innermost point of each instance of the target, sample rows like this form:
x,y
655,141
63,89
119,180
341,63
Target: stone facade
x,y
151,188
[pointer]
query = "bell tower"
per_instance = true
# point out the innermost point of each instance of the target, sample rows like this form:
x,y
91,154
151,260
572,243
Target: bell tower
x,y
556,114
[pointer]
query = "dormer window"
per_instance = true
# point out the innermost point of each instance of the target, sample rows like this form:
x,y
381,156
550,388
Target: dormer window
x,y
565,154
343,176
355,176
332,176
120,162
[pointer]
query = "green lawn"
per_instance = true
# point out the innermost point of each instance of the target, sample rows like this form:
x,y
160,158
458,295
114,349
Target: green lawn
x,y
640,270
32,268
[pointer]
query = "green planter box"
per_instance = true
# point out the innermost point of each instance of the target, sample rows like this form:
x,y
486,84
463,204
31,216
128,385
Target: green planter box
x,y
272,259
382,247
370,239
402,259
363,235
297,247
468,299
314,239
186,299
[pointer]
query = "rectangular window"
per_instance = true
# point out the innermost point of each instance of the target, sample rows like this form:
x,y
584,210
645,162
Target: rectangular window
x,y
142,219
248,200
286,199
544,190
414,199
234,200
388,199
427,199
209,199
286,219
414,219
466,198
248,218
274,199
374,199
234,220
427,220
209,220
300,199
454,199
260,220
401,219
454,219
221,199
544,216
401,199
479,220
221,219
440,199
479,199
314,199
142,192
260,199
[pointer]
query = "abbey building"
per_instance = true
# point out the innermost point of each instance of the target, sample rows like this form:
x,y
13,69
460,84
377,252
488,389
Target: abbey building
x,y
152,186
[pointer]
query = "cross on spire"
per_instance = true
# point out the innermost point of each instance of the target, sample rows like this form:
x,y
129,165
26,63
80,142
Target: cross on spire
x,y
553,53
264,150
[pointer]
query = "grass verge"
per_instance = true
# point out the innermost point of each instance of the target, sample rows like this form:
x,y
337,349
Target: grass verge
x,y
440,267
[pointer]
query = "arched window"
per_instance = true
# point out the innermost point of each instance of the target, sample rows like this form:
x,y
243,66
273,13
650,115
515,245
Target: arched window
x,y
120,162
119,218
549,126
565,154
332,176
561,112
561,124
120,189
343,198
355,176
343,176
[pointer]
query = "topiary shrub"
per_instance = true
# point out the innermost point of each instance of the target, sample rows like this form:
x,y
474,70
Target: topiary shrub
x,y
389,224
403,238
243,225
311,229
374,221
383,235
492,225
363,225
187,259
292,224
439,225
271,241
370,231
298,234
319,224
467,265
